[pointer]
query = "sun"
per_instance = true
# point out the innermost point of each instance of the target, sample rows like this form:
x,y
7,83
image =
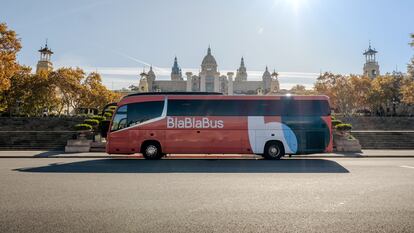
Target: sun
x,y
295,5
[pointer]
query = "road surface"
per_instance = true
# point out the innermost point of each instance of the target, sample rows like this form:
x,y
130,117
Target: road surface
x,y
190,195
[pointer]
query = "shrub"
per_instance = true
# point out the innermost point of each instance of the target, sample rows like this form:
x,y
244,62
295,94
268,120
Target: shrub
x,y
112,108
99,118
108,114
91,122
336,122
83,115
83,127
343,127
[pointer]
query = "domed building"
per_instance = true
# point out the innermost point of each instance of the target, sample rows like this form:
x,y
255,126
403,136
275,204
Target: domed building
x,y
210,80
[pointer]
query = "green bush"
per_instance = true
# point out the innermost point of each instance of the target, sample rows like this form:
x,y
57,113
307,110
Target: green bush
x,y
108,114
343,127
112,108
99,118
336,122
91,122
83,115
83,127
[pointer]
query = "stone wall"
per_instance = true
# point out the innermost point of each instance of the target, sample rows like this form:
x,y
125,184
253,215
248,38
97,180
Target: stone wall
x,y
39,123
379,123
36,132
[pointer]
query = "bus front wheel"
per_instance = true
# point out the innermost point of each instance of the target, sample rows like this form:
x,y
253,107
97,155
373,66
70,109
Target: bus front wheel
x,y
273,150
151,150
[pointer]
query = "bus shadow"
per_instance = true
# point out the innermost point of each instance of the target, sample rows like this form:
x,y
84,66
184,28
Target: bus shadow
x,y
192,166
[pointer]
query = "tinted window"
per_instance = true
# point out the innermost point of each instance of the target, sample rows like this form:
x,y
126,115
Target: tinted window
x,y
140,112
120,118
248,108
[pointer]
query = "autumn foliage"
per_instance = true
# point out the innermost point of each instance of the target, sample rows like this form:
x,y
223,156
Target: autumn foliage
x,y
58,92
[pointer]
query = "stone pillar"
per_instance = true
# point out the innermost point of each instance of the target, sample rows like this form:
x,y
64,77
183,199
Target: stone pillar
x,y
230,85
203,82
189,81
216,84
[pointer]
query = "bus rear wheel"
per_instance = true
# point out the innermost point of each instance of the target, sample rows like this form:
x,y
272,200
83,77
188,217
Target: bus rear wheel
x,y
274,150
151,151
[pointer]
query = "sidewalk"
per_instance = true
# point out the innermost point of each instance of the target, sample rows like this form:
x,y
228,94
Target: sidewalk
x,y
61,154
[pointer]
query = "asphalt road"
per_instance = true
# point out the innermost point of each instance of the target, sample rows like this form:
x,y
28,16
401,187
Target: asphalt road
x,y
131,195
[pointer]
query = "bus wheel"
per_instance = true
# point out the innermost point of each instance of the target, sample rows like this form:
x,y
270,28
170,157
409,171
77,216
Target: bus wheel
x,y
151,151
273,150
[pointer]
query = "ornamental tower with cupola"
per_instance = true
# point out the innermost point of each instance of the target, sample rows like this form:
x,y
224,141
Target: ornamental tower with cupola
x,y
371,67
241,74
176,73
44,64
267,80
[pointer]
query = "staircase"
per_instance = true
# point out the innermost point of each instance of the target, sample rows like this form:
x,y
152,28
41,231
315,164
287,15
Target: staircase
x,y
44,140
385,139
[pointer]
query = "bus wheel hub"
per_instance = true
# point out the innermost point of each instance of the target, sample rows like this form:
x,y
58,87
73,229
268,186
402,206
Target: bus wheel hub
x,y
151,150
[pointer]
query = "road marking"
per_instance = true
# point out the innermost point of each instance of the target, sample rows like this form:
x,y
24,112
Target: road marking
x,y
407,167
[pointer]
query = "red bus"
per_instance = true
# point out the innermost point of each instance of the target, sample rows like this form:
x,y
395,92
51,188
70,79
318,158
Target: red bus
x,y
156,124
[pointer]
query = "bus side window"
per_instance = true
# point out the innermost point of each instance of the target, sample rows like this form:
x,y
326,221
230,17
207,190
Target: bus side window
x,y
144,111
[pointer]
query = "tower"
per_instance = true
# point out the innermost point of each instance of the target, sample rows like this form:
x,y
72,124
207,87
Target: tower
x,y
176,73
150,79
274,85
371,67
143,82
267,80
44,64
241,74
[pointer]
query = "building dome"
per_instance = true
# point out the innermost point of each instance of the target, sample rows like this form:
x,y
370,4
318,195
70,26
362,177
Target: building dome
x,y
209,60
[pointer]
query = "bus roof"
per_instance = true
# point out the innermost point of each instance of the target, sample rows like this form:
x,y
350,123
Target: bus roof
x,y
154,96
173,93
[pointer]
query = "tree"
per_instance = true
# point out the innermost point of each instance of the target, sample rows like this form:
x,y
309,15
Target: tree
x,y
95,94
30,94
69,88
407,89
301,90
338,89
360,87
385,93
9,47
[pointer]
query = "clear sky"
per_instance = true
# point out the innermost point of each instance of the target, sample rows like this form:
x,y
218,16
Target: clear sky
x,y
298,38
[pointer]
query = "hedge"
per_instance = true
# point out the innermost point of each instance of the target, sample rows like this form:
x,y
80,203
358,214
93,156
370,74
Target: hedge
x,y
83,127
343,127
108,114
336,122
99,118
91,122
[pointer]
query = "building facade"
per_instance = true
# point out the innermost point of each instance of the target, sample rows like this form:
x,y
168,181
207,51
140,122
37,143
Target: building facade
x,y
209,79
